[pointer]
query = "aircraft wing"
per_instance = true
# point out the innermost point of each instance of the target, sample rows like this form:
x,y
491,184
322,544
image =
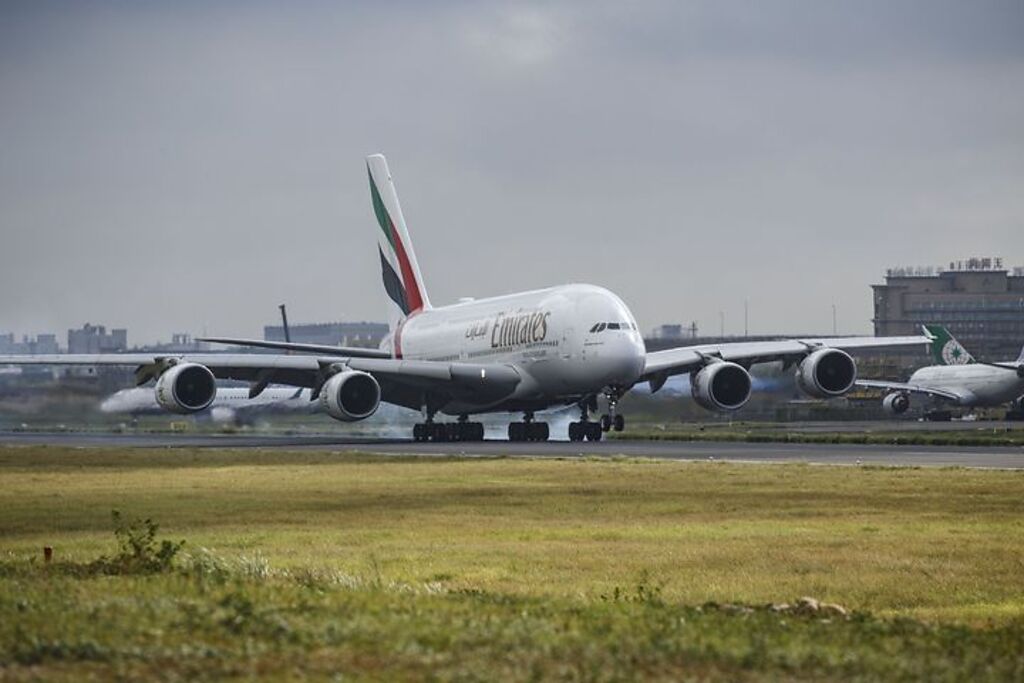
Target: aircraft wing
x,y
660,364
912,388
316,349
402,382
1016,366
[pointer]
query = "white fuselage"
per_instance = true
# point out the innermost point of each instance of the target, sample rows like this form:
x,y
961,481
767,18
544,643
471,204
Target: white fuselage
x,y
978,385
564,342
225,406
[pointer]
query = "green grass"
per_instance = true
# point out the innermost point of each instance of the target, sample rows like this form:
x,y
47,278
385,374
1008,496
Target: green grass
x,y
982,436
314,562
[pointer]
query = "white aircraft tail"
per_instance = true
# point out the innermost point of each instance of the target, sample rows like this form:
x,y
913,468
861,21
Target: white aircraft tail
x,y
403,281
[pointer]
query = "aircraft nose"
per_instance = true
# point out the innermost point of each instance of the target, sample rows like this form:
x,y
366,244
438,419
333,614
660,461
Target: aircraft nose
x,y
631,355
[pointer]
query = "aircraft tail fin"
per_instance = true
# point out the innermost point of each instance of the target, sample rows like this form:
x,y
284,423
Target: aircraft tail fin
x,y
946,350
403,281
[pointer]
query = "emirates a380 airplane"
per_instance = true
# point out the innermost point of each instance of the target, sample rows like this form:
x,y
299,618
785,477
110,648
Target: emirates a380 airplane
x,y
521,353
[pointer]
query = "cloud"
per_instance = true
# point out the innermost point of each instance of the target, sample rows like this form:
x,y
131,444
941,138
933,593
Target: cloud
x,y
517,36
175,167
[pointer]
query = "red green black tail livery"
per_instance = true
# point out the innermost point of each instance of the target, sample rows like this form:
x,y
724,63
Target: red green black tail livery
x,y
400,271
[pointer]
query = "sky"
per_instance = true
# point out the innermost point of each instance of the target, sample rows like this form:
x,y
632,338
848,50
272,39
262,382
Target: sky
x,y
188,166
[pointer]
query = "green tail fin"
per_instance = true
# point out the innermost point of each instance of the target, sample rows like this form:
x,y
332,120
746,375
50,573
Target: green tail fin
x,y
946,350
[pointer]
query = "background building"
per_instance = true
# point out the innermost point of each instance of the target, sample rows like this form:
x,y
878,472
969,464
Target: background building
x,y
364,334
979,300
95,339
43,343
181,342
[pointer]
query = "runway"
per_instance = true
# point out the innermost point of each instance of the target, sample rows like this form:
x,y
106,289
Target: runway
x,y
823,454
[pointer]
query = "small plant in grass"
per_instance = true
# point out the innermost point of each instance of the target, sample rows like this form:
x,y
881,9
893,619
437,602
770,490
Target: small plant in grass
x,y
138,549
646,592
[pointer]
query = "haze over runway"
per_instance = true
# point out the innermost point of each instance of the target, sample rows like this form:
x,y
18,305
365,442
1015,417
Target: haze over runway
x,y
161,159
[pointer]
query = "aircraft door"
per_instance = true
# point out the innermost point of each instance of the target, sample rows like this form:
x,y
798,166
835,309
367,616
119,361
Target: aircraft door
x,y
568,339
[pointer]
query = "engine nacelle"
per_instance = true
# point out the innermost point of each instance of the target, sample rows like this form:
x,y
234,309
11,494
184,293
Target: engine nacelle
x,y
721,386
350,396
896,403
826,373
186,388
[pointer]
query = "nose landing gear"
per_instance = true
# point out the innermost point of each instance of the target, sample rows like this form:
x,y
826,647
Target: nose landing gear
x,y
613,420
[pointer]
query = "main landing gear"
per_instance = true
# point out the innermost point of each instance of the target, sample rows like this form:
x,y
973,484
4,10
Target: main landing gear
x,y
440,432
593,431
528,430
585,429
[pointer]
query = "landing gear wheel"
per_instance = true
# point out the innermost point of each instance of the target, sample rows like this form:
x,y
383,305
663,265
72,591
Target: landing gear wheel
x,y
438,432
464,430
516,431
537,431
613,420
585,431
527,431
575,431
418,432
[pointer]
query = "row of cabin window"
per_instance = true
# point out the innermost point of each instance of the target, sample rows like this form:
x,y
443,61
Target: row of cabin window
x,y
601,327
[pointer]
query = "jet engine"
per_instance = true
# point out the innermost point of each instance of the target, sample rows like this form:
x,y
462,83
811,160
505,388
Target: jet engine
x,y
721,386
896,403
826,373
186,388
350,396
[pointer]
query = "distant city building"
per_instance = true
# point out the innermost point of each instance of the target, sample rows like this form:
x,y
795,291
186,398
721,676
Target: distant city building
x,y
364,334
674,331
43,343
181,342
46,343
95,339
979,300
671,331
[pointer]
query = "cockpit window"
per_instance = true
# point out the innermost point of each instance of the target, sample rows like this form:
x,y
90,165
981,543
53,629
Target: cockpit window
x,y
601,327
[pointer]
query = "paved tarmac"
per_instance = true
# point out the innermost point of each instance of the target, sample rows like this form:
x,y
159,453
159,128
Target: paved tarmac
x,y
825,454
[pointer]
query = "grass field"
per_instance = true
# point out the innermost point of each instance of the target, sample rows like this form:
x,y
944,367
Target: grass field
x,y
984,434
305,564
